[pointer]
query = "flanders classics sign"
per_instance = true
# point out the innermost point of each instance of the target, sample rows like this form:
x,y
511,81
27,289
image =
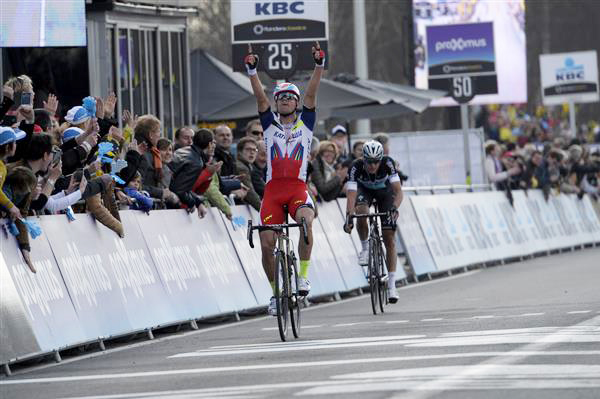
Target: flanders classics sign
x,y
569,77
281,33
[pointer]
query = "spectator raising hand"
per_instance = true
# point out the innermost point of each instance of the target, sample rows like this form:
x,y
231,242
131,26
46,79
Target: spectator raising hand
x,y
51,105
109,105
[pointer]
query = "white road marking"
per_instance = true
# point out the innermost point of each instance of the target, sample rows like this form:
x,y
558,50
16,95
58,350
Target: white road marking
x,y
579,312
397,321
483,317
493,377
486,367
434,319
303,346
531,314
324,363
315,326
350,324
573,334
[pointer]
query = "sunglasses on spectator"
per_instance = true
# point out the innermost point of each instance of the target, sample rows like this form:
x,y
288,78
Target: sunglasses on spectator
x,y
286,96
256,132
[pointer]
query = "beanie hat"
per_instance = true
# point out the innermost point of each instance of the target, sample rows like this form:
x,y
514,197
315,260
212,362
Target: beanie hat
x,y
77,115
71,133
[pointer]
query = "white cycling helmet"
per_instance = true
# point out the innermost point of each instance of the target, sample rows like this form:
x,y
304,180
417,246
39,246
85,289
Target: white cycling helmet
x,y
286,87
373,151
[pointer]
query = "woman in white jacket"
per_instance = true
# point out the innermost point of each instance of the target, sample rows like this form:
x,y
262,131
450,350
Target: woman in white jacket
x,y
493,166
65,198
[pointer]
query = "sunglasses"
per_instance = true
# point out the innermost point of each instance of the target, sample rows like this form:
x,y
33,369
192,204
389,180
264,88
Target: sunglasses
x,y
372,161
256,132
286,96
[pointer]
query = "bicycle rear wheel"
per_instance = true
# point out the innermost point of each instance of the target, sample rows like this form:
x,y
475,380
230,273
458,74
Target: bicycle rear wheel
x,y
373,279
282,289
294,299
381,287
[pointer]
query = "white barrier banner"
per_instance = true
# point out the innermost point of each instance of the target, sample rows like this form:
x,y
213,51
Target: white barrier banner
x,y
323,273
43,295
16,330
250,258
415,246
332,221
196,262
470,228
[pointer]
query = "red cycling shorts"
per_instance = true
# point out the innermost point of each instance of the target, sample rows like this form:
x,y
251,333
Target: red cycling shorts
x,y
280,192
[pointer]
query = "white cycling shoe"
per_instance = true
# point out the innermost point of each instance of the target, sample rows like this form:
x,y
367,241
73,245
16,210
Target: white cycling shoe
x,y
303,286
392,294
272,310
363,257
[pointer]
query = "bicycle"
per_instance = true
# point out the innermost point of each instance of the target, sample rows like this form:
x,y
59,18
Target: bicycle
x,y
376,271
286,275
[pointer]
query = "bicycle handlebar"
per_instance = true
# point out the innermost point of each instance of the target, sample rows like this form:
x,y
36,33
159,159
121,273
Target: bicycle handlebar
x,y
276,227
370,215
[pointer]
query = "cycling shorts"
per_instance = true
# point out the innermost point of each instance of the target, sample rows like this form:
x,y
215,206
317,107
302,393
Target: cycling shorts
x,y
385,202
280,192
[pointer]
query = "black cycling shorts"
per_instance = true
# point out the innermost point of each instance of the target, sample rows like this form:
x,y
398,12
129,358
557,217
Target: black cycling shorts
x,y
385,202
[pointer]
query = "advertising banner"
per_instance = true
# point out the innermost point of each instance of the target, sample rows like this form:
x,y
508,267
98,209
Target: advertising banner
x,y
250,258
461,49
323,274
461,58
569,77
91,288
195,261
282,33
44,297
415,246
346,256
16,331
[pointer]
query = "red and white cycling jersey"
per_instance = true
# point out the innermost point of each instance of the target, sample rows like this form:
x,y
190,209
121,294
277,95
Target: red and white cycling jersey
x,y
288,146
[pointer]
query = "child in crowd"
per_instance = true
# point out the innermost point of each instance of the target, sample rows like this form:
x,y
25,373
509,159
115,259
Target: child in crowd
x,y
141,201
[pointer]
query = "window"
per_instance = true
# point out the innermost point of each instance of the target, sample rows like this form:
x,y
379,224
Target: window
x,y
110,54
177,81
167,119
136,78
124,70
152,73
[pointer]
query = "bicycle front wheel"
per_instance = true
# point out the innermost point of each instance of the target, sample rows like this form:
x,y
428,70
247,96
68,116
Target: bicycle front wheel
x,y
373,279
294,299
382,284
282,290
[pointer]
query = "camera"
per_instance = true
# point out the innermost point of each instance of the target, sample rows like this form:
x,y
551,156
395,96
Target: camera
x,y
56,156
22,98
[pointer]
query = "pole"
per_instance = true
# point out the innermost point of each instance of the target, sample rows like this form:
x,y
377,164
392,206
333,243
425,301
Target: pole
x,y
464,117
363,126
572,119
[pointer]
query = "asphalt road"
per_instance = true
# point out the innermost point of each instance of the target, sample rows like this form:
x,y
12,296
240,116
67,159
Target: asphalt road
x,y
523,330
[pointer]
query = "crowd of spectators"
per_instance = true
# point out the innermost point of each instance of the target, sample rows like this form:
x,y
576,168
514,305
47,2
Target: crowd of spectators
x,y
527,151
83,161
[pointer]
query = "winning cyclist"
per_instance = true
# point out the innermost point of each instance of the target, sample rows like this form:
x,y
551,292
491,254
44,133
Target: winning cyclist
x,y
288,134
375,177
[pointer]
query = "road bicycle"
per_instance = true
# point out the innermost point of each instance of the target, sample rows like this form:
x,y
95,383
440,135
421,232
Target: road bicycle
x,y
286,275
376,270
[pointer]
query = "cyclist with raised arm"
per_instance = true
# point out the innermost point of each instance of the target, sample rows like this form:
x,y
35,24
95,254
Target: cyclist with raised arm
x,y
288,134
375,177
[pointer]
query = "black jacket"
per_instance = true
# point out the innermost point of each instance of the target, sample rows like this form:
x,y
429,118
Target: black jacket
x,y
229,167
186,165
